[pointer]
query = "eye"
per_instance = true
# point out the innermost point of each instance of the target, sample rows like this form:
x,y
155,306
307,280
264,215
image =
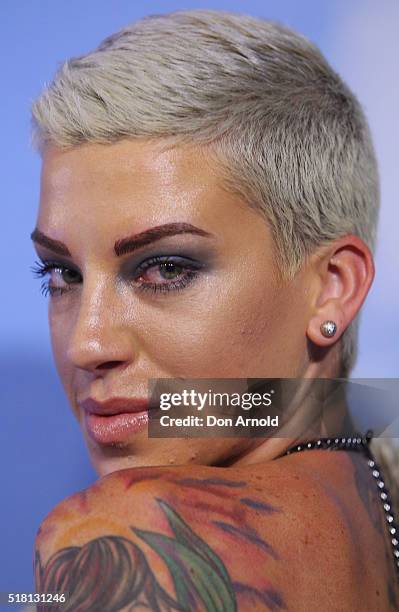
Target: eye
x,y
159,272
166,273
60,277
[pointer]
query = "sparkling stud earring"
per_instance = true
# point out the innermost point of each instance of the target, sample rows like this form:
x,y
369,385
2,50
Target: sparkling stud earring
x,y
328,328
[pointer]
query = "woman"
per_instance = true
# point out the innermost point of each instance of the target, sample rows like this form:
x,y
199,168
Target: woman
x,y
208,210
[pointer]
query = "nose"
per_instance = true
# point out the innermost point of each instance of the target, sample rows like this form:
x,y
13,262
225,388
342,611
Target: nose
x,y
100,339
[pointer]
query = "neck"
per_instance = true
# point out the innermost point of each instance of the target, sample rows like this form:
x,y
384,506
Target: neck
x,y
315,409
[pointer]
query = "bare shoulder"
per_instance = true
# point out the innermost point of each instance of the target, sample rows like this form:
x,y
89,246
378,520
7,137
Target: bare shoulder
x,y
274,536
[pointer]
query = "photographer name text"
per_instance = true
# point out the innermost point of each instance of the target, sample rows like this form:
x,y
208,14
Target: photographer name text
x,y
212,421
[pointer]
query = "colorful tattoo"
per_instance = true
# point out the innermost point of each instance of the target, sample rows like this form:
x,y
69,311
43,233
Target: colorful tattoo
x,y
112,572
247,533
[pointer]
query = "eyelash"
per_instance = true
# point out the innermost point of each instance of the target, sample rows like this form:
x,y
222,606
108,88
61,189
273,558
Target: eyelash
x,y
190,268
190,272
41,269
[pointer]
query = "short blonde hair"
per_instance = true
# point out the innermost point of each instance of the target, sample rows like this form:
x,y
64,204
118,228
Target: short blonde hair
x,y
289,133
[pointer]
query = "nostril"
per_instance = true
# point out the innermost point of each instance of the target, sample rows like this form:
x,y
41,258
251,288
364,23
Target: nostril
x,y
108,365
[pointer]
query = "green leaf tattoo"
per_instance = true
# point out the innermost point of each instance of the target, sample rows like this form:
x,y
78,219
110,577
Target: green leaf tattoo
x,y
198,574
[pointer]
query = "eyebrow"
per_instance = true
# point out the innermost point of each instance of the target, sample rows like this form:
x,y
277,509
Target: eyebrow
x,y
129,244
49,243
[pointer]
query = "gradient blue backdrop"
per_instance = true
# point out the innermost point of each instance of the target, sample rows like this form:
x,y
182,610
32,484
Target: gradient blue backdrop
x,y
42,455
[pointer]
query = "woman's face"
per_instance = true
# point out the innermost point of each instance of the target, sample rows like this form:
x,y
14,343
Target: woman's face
x,y
156,271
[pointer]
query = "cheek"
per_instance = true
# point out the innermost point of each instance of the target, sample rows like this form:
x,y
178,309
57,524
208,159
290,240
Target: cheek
x,y
232,334
59,334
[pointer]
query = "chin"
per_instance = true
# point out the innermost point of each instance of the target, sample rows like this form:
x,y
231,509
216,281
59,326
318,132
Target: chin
x,y
119,457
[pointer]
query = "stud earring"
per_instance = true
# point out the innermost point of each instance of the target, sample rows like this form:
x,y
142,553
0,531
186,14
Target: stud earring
x,y
328,328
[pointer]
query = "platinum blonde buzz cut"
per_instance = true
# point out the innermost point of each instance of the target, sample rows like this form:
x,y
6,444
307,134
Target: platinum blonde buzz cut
x,y
288,134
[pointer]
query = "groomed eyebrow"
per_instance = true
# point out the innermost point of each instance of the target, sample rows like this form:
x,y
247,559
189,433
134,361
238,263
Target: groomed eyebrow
x,y
49,243
129,244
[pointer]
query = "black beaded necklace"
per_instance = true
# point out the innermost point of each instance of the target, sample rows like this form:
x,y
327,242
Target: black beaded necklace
x,y
361,444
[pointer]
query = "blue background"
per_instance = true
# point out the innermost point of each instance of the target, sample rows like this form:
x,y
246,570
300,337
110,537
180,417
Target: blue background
x,y
42,455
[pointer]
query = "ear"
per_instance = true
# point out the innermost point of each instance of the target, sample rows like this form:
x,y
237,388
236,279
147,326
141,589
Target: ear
x,y
344,271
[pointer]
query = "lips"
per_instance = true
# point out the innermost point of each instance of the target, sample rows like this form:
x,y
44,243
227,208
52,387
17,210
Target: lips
x,y
115,405
115,420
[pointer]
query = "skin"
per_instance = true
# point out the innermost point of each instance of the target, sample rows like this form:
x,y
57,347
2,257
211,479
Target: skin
x,y
236,318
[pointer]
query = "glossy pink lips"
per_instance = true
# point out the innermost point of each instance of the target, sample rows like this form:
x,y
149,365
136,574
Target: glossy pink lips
x,y
114,420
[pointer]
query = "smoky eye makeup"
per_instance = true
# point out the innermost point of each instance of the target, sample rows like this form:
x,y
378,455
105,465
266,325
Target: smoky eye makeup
x,y
170,268
163,273
57,277
153,270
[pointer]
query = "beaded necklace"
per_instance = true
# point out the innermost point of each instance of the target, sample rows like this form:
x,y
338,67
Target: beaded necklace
x,y
361,444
